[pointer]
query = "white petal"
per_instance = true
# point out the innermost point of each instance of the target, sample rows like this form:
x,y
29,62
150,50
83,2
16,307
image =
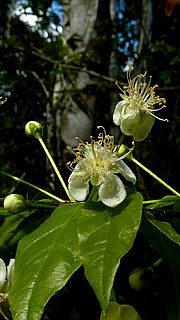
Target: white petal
x,y
10,273
118,112
130,123
2,273
111,190
144,128
77,188
126,171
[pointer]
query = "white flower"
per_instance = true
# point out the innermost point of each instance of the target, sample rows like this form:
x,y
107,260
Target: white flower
x,y
6,276
135,113
97,162
2,100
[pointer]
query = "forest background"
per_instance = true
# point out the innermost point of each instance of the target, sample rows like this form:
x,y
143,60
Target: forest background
x,y
61,70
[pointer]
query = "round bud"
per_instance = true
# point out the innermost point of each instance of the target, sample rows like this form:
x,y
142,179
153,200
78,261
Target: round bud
x,y
122,150
14,203
141,278
35,129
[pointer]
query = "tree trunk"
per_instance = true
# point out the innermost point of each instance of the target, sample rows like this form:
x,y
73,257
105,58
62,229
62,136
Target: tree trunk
x,y
80,94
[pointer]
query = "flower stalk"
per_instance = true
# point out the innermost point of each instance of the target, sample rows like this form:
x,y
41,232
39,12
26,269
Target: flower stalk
x,y
154,201
155,176
55,169
42,205
32,185
35,129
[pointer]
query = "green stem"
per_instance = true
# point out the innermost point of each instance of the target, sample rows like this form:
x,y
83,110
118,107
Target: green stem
x,y
33,186
41,205
55,169
94,194
122,138
160,200
4,316
157,263
151,201
154,176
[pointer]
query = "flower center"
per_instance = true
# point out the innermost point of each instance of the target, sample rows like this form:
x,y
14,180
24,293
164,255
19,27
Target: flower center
x,y
96,158
139,95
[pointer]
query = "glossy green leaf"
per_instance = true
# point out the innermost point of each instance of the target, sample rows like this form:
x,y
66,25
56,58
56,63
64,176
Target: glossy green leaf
x,y
176,219
167,241
13,227
120,312
165,201
45,261
164,228
8,228
105,236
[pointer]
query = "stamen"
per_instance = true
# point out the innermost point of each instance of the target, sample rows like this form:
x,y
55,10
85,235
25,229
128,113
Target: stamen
x,y
99,127
120,87
77,138
93,150
153,110
147,87
156,116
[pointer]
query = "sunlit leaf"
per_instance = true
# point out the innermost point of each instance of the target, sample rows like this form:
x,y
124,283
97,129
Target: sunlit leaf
x,y
165,201
106,235
167,241
13,227
45,261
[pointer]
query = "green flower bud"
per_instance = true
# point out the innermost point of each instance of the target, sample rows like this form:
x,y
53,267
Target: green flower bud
x,y
125,152
122,150
14,203
35,129
120,312
141,278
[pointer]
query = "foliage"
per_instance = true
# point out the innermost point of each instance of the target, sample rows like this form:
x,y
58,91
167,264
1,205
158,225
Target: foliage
x,y
54,239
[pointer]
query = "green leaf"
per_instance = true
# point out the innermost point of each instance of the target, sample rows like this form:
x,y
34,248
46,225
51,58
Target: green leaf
x,y
120,312
45,261
13,227
165,201
164,228
176,219
8,225
167,241
105,236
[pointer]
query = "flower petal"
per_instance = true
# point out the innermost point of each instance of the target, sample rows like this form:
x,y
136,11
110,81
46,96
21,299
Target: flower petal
x,y
2,273
126,171
144,128
111,190
118,112
130,123
10,273
77,187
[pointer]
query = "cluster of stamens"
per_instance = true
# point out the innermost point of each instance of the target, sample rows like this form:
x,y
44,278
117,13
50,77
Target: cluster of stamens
x,y
140,95
97,153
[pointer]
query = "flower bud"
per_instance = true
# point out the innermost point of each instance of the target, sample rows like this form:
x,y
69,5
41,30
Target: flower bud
x,y
14,203
34,128
120,312
141,278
